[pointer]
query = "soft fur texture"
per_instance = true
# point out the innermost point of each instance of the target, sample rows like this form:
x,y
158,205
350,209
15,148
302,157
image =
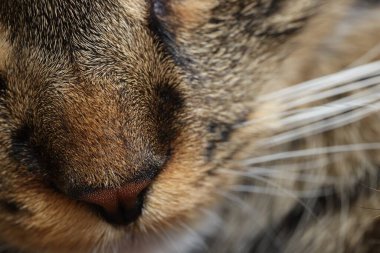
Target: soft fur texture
x,y
95,94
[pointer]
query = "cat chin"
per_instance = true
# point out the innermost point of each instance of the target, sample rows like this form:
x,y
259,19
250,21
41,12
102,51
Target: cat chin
x,y
185,237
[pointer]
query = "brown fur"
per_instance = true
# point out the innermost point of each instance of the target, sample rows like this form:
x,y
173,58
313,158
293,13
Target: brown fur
x,y
103,93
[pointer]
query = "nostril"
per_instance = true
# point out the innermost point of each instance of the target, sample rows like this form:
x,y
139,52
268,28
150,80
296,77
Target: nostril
x,y
118,206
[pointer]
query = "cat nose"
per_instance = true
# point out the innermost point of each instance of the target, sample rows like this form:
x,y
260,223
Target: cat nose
x,y
118,206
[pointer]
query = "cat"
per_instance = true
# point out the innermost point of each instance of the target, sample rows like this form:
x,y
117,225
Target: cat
x,y
189,126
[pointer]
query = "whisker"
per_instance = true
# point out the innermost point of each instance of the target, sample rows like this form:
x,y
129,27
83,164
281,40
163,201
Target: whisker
x,y
367,57
329,110
197,239
359,99
292,167
242,204
312,152
309,178
268,117
350,87
253,211
276,192
333,80
320,127
371,188
287,192
370,208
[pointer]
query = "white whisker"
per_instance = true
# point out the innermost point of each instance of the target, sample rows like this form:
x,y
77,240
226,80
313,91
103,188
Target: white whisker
x,y
334,92
367,57
292,167
196,239
252,211
268,117
277,192
312,152
242,204
320,126
333,80
371,188
308,178
330,109
273,184
359,99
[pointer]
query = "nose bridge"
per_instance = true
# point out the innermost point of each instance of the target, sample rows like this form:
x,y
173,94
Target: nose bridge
x,y
80,135
93,120
95,134
90,138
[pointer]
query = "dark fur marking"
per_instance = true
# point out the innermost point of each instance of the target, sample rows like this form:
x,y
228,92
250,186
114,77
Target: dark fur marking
x,y
368,3
10,206
3,84
168,104
253,22
220,133
372,237
29,153
22,149
165,34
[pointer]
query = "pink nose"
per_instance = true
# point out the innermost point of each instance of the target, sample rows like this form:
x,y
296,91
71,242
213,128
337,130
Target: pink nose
x,y
119,206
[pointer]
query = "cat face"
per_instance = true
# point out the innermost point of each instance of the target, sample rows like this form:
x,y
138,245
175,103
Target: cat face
x,y
115,114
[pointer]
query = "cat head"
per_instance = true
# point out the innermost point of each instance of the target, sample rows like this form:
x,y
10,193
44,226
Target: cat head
x,y
114,115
